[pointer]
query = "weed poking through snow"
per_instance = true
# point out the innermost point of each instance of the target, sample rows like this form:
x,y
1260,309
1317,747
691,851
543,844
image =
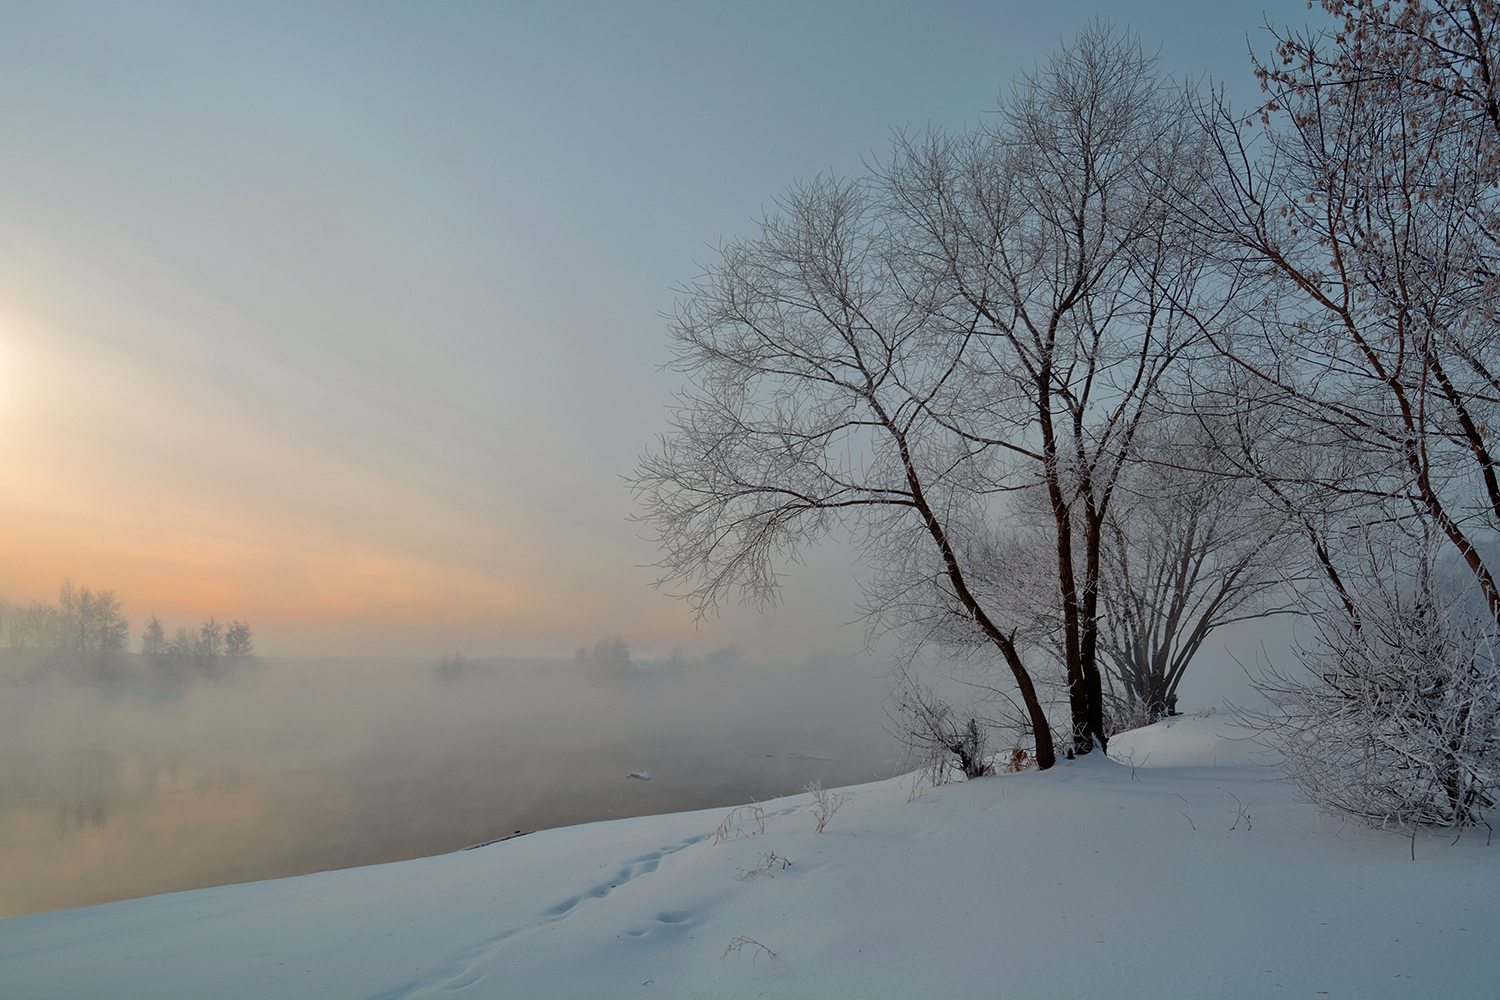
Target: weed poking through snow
x,y
825,804
740,943
738,823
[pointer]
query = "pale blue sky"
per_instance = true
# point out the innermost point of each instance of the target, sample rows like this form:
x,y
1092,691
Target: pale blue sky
x,y
346,318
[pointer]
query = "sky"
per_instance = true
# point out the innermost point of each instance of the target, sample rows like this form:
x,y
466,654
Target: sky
x,y
347,319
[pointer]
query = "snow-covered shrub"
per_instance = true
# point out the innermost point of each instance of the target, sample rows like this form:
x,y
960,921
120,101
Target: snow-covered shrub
x,y
1396,718
933,734
1122,714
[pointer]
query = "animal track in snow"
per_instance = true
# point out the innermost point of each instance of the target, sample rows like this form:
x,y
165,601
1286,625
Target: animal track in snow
x,y
467,966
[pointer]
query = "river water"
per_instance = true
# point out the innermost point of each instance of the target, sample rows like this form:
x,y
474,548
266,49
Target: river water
x,y
126,785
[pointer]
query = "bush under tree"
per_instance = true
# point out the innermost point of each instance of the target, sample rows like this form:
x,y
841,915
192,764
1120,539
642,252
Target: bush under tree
x,y
1395,716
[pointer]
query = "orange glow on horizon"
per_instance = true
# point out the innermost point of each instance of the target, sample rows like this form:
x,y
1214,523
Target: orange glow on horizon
x,y
134,463
93,492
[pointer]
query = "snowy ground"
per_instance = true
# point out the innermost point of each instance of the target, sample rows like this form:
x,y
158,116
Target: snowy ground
x,y
1189,875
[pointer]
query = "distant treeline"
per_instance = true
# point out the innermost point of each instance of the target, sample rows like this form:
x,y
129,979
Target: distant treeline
x,y
609,661
212,640
92,625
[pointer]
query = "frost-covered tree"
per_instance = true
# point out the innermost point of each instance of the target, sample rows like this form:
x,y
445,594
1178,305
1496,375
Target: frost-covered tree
x,y
180,649
1395,716
208,646
987,315
36,626
1190,546
1361,209
101,624
82,621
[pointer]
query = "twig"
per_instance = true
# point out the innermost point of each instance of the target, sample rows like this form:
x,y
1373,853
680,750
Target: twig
x,y
741,943
769,865
1243,810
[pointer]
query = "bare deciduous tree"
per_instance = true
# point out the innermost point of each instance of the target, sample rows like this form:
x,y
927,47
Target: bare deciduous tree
x,y
208,647
154,640
35,626
239,644
814,359
83,621
985,318
608,661
1366,228
1189,547
1360,206
1055,250
180,649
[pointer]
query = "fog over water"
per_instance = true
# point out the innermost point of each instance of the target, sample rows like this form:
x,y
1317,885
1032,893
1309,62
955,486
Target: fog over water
x,y
127,787
347,321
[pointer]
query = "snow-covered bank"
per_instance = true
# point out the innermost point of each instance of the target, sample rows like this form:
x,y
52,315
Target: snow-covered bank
x,y
1189,875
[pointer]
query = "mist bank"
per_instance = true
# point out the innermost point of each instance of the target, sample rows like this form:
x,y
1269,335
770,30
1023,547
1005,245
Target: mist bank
x,y
130,783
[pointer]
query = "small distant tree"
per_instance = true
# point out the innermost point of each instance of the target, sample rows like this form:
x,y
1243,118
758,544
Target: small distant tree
x,y
67,634
180,649
82,622
727,658
608,661
451,666
154,640
238,644
36,626
208,647
102,626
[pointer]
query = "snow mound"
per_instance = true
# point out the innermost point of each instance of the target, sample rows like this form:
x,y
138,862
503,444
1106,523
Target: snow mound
x,y
1185,741
1185,878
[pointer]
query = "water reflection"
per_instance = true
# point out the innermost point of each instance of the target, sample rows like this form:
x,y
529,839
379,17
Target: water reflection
x,y
131,787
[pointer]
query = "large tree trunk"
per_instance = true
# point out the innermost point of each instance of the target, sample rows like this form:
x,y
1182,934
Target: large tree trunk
x,y
1046,754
